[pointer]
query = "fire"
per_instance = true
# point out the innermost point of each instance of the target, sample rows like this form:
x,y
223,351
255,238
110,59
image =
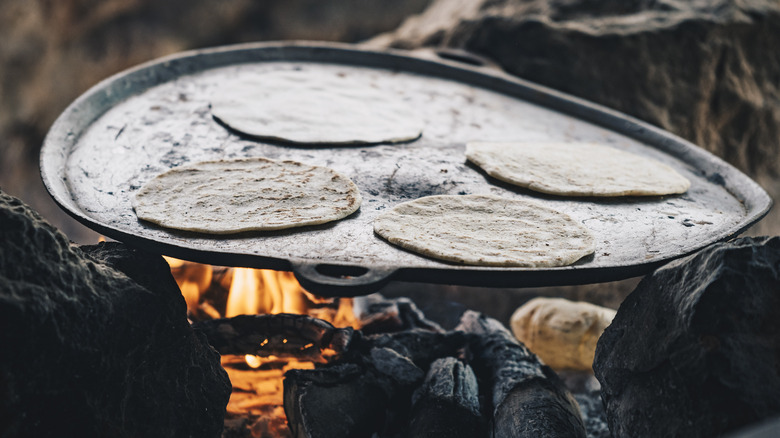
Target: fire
x,y
243,298
215,292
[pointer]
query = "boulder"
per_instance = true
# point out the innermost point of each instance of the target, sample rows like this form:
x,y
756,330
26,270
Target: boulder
x,y
694,350
92,351
707,70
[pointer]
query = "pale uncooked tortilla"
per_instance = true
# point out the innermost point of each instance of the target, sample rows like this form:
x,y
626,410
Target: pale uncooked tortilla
x,y
486,230
222,197
314,107
576,169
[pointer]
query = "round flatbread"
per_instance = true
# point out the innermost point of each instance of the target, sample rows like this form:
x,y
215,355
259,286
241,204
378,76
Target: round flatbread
x,y
576,169
222,197
486,230
314,108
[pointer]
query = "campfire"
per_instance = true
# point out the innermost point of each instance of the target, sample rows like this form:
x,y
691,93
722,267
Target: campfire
x,y
302,365
214,292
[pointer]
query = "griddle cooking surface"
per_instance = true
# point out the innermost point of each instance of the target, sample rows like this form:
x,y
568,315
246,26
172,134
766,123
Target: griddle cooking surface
x,y
140,123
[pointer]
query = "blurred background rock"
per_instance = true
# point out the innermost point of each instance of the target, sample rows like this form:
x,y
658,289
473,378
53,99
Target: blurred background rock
x,y
707,70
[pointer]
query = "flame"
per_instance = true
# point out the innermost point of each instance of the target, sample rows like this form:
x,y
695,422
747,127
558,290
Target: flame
x,y
216,292
243,298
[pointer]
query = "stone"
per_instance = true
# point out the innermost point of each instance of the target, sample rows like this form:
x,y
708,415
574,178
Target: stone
x,y
707,70
694,350
91,351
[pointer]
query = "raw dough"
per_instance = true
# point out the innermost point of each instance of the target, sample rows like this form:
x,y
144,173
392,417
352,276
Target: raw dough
x,y
486,230
314,107
576,169
222,197
562,333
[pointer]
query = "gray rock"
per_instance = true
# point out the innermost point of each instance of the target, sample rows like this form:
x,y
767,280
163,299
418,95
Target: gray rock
x,y
707,70
694,350
88,351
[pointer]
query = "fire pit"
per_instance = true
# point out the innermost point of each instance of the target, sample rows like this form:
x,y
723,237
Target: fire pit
x,y
255,360
156,117
294,374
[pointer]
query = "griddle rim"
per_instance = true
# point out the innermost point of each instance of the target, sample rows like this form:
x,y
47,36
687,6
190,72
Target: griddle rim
x,y
101,97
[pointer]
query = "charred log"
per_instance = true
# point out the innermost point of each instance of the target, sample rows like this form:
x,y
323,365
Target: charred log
x,y
421,346
527,399
381,315
281,335
340,401
447,403
375,378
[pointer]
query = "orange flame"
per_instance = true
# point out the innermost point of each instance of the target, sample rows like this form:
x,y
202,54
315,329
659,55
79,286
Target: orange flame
x,y
243,298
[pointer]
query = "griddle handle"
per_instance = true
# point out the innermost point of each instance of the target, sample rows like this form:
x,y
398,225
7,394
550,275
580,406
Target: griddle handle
x,y
329,280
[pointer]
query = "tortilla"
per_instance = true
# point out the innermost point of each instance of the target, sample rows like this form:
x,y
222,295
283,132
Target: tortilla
x,y
576,169
486,230
314,108
222,197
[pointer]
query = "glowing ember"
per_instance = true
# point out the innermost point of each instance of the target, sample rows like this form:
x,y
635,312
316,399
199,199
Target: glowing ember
x,y
253,361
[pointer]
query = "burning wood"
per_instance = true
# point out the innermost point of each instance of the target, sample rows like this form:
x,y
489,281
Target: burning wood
x,y
281,335
335,382
380,315
264,324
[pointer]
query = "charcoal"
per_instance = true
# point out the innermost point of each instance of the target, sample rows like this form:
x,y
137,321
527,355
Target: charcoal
x,y
693,351
394,365
526,397
447,403
383,315
371,382
88,350
340,401
421,346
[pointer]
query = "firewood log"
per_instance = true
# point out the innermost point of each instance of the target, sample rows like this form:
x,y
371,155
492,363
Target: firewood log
x,y
421,346
281,335
340,401
351,397
527,398
381,315
447,403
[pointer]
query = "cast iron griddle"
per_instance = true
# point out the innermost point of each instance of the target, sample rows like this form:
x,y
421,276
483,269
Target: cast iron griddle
x,y
137,124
